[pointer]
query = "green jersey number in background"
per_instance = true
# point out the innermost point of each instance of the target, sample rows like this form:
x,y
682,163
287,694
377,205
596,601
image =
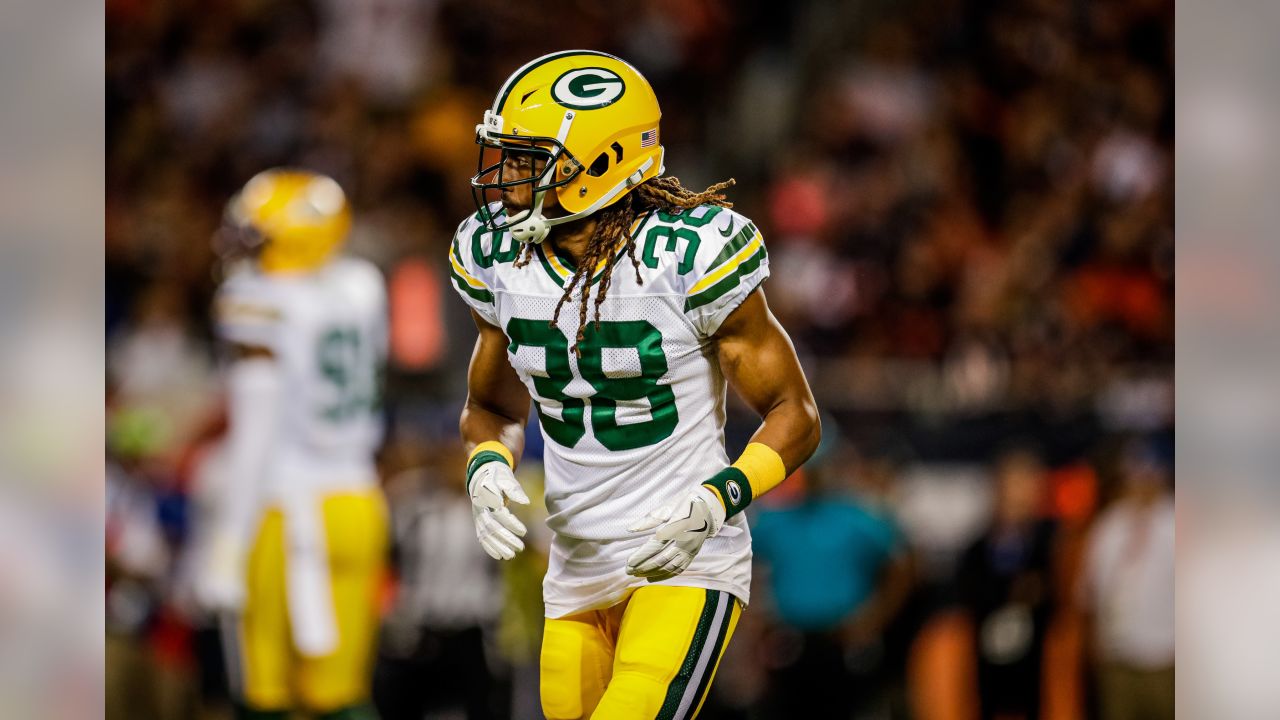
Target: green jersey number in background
x,y
352,373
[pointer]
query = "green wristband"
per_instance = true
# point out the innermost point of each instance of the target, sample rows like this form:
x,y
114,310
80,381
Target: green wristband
x,y
482,457
733,488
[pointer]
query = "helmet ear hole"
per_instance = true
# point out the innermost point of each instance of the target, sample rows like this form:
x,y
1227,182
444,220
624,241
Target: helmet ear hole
x,y
600,166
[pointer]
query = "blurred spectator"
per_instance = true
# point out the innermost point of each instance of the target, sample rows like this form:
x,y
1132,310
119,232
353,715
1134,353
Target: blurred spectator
x,y
137,563
158,369
439,648
1127,590
207,466
837,574
1006,582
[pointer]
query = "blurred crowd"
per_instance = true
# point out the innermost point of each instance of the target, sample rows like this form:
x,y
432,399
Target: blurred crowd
x,y
969,212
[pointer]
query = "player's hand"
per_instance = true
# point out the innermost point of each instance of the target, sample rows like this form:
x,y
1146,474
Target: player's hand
x,y
498,530
682,527
220,580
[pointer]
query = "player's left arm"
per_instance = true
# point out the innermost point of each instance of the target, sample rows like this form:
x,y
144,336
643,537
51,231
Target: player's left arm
x,y
760,363
253,404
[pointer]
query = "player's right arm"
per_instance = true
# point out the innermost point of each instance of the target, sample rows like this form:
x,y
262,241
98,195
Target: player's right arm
x,y
497,407
492,427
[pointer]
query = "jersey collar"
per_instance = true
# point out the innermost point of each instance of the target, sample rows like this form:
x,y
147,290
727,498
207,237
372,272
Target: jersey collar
x,y
560,269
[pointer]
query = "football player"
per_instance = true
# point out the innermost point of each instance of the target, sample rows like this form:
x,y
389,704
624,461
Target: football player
x,y
621,302
297,545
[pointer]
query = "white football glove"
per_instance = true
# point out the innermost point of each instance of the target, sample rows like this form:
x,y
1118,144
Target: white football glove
x,y
220,579
682,527
498,530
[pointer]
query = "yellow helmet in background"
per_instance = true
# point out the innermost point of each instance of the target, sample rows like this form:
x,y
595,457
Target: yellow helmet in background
x,y
591,122
294,220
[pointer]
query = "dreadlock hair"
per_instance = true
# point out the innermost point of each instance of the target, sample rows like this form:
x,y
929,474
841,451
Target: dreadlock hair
x,y
613,227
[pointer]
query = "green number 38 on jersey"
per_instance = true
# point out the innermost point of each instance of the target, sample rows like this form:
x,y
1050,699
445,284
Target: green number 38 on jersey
x,y
570,427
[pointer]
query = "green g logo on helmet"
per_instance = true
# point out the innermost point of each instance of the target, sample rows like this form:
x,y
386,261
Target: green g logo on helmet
x,y
588,88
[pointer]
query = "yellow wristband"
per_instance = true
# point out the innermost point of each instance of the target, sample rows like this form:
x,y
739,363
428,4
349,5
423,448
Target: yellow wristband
x,y
487,452
763,467
492,446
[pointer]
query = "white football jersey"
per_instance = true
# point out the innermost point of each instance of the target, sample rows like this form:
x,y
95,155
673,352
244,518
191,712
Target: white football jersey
x,y
636,418
328,332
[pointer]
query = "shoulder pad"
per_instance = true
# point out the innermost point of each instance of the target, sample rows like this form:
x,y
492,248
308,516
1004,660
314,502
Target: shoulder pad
x,y
719,256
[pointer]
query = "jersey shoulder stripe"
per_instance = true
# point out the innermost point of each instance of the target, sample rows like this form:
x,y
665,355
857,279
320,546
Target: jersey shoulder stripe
x,y
739,240
472,254
248,309
728,274
466,283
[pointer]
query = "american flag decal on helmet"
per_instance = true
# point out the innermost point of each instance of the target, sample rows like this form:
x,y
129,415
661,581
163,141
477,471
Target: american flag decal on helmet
x,y
649,138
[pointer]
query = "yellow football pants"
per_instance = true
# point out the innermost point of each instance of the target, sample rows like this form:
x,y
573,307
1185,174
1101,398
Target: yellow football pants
x,y
651,656
272,674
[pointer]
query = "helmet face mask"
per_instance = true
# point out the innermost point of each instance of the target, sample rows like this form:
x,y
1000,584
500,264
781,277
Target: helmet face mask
x,y
237,240
579,127
538,160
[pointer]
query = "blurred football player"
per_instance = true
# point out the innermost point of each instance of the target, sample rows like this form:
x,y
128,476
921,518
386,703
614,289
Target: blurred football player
x,y
621,302
297,545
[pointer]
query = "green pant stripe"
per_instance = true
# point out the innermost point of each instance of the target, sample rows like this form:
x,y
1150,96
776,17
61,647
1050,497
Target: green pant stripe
x,y
705,683
680,683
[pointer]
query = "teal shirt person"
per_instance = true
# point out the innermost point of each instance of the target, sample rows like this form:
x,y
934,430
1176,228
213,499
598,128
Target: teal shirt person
x,y
825,557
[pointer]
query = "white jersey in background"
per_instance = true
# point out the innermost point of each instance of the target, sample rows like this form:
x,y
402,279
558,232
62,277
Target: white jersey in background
x,y
328,332
637,418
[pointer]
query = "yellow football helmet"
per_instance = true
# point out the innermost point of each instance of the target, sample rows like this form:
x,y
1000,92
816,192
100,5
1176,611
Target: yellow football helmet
x,y
589,121
291,220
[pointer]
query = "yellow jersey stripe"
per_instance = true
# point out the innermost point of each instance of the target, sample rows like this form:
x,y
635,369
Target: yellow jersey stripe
x,y
554,261
728,267
556,265
462,272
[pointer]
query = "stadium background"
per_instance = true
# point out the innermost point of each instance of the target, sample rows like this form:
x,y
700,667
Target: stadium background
x,y
968,207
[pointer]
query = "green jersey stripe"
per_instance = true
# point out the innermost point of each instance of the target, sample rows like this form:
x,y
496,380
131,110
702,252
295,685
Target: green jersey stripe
x,y
546,265
732,247
457,254
483,296
727,283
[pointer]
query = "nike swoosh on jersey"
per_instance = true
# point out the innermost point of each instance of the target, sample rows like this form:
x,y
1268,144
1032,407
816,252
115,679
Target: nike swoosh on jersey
x,y
729,232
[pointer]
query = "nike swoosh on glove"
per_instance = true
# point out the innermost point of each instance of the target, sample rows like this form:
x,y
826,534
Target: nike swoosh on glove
x,y
497,529
682,527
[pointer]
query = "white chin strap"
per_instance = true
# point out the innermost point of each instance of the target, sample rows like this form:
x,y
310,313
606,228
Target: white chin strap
x,y
531,226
